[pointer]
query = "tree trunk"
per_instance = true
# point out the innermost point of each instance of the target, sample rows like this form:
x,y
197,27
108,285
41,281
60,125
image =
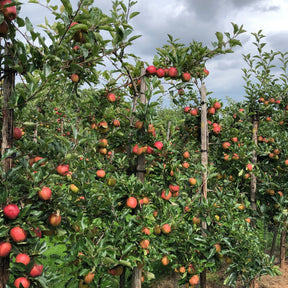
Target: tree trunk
x,y
7,142
122,278
282,248
140,174
204,162
275,234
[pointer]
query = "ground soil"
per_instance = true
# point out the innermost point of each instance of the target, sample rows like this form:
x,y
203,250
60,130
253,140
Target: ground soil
x,y
216,281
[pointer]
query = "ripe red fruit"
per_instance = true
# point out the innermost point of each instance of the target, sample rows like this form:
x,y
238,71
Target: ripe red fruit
x,y
55,219
111,97
217,105
23,258
18,234
146,231
194,280
144,243
194,112
173,72
137,150
149,150
226,145
211,110
249,167
100,173
158,145
75,78
5,249
186,77
17,133
11,211
206,72
139,124
131,202
45,193
24,282
36,270
116,123
174,188
166,196
62,169
216,128
166,229
234,139
151,70
186,109
9,13
160,72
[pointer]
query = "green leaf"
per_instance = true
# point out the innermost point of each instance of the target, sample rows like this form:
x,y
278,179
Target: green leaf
x,y
133,14
68,6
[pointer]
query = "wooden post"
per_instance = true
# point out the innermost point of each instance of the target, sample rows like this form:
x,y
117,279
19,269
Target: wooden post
x,y
7,142
140,173
204,162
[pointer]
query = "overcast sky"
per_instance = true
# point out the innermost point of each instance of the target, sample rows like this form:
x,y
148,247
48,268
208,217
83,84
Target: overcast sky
x,y
198,20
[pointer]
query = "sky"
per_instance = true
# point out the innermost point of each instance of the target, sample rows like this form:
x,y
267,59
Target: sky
x,y
198,20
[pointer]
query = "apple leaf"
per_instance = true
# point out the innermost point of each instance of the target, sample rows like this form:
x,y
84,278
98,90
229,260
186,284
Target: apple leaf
x,y
68,6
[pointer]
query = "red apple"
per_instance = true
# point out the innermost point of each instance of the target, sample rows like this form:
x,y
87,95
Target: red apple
x,y
194,112
111,97
206,72
160,73
226,145
17,133
166,196
144,243
150,150
5,249
100,173
45,193
234,139
146,231
166,229
151,70
10,12
139,124
249,167
62,169
174,188
103,143
36,270
158,145
137,150
173,72
23,258
216,128
25,283
131,202
55,219
211,110
11,211
18,234
186,109
217,105
116,123
75,78
186,77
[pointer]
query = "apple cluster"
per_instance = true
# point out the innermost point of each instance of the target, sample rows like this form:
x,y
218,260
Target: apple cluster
x,y
171,72
9,15
19,235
